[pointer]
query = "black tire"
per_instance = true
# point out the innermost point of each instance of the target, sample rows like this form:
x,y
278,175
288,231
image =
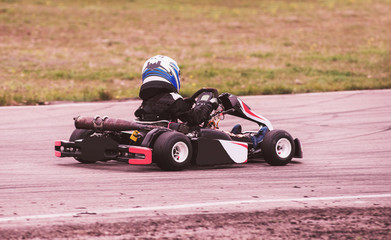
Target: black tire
x,y
81,134
172,151
278,147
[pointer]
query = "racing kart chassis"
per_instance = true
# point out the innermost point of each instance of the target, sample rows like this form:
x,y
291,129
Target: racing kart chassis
x,y
174,146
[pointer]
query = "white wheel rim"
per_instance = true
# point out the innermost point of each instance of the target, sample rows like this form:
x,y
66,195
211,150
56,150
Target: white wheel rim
x,y
283,148
179,152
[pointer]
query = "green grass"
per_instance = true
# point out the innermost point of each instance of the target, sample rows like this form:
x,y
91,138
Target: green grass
x,y
89,50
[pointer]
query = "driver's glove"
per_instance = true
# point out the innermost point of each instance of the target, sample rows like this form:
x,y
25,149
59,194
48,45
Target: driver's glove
x,y
202,111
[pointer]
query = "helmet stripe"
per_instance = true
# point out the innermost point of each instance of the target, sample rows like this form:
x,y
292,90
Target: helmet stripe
x,y
178,84
156,72
160,73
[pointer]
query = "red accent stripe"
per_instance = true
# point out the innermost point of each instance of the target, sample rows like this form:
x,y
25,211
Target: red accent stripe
x,y
58,154
241,144
147,152
57,143
247,110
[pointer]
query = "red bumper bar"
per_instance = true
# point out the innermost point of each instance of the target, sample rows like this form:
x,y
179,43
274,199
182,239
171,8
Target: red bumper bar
x,y
147,152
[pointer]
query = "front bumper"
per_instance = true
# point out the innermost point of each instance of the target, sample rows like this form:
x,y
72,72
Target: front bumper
x,y
298,149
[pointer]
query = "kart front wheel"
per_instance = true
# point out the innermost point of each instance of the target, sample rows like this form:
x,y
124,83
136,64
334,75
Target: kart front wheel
x,y
81,134
278,147
172,151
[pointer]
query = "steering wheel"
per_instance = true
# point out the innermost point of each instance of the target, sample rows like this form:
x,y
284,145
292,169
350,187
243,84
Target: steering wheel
x,y
205,95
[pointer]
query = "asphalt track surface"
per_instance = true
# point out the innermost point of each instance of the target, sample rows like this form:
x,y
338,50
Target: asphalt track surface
x,y
347,163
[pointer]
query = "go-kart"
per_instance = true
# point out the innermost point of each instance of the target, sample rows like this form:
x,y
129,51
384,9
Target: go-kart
x,y
174,145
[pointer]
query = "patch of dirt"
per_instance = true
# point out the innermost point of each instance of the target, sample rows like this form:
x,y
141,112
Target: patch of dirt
x,y
330,223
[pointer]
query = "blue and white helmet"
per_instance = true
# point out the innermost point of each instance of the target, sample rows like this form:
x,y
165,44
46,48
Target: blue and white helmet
x,y
160,74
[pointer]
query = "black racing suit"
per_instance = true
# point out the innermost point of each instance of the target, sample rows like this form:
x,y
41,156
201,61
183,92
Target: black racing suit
x,y
171,106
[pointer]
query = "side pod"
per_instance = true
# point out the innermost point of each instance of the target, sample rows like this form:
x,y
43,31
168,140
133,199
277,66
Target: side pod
x,y
216,151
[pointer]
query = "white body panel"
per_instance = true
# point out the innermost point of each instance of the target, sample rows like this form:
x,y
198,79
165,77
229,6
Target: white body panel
x,y
237,151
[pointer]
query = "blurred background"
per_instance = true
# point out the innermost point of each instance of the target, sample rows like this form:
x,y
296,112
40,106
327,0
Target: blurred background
x,y
90,50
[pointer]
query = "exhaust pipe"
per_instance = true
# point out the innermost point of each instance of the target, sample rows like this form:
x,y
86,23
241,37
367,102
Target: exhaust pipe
x,y
107,124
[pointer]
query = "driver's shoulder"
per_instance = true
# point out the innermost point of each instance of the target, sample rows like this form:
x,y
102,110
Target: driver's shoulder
x,y
176,96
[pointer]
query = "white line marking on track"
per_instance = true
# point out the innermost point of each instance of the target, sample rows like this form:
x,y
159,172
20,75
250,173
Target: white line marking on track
x,y
192,205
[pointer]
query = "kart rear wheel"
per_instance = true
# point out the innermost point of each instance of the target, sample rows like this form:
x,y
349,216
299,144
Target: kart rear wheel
x,y
172,151
81,134
278,147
